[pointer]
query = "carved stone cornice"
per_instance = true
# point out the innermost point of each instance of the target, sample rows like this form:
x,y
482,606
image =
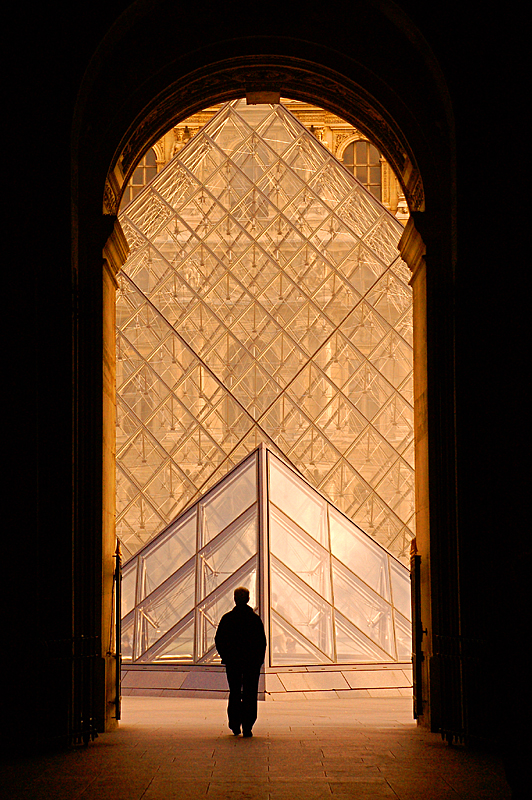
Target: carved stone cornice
x,y
112,190
412,247
414,192
115,250
296,78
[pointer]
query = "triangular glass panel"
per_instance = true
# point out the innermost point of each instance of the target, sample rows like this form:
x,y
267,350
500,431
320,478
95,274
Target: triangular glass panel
x,y
168,553
127,639
225,504
357,551
364,608
403,637
297,500
176,647
225,554
163,608
352,646
300,553
301,607
128,587
290,647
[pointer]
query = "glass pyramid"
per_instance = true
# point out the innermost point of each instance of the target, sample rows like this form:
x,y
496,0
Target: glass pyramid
x,y
263,301
327,592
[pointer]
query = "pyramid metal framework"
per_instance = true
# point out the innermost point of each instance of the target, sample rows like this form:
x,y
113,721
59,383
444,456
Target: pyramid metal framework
x,y
326,591
264,300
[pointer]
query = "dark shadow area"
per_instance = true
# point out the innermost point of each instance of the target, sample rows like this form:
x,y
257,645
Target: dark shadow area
x,y
443,95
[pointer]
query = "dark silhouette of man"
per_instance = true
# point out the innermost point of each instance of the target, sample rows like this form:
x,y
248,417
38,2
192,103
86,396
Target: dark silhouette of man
x,y
241,643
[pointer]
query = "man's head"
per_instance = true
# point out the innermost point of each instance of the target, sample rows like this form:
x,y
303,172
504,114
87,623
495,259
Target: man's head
x,y
241,596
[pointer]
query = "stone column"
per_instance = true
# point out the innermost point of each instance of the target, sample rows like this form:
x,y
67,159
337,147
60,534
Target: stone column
x,y
413,251
115,253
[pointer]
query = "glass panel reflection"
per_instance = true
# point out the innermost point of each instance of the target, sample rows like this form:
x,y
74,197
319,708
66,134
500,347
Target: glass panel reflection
x,y
352,646
301,554
366,610
403,637
129,583
239,491
401,590
305,507
356,550
127,639
159,612
289,646
302,608
169,552
222,558
176,647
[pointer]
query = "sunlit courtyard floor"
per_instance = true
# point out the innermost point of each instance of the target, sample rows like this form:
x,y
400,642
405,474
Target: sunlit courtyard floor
x,y
181,748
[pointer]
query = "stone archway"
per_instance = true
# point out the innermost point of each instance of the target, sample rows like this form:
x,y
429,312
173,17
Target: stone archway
x,y
121,113
295,78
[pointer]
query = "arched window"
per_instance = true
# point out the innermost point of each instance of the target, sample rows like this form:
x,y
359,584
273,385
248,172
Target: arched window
x,y
364,160
145,171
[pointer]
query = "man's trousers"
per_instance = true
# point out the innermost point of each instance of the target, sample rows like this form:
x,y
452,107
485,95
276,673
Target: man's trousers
x,y
243,680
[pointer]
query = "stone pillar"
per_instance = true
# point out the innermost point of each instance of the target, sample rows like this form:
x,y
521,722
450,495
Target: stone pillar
x,y
413,251
115,253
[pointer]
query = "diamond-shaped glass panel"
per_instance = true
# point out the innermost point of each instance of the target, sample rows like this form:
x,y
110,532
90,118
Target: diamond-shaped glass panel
x,y
301,554
168,553
177,649
359,554
290,647
352,645
302,608
364,608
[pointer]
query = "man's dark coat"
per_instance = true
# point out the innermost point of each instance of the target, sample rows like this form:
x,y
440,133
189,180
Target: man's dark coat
x,y
240,637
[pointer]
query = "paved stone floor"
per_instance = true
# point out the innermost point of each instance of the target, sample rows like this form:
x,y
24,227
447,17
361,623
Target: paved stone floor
x,y
174,748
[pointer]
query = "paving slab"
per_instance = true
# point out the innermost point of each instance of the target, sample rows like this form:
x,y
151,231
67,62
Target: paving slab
x,y
320,749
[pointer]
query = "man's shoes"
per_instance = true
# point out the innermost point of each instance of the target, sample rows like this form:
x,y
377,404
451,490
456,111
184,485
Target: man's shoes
x,y
236,731
247,734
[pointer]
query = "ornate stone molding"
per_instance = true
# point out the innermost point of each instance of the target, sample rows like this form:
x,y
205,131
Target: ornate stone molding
x,y
412,247
159,152
296,78
344,140
112,190
115,251
414,192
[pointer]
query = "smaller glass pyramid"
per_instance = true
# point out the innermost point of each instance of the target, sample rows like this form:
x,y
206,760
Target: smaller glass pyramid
x,y
326,591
